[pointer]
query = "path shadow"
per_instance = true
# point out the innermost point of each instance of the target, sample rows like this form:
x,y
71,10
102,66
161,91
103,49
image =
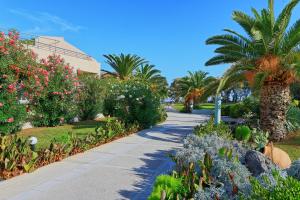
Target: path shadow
x,y
155,164
158,162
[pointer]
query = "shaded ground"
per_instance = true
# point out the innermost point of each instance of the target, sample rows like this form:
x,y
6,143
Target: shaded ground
x,y
123,169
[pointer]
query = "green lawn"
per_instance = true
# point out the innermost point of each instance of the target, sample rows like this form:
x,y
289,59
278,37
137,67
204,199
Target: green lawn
x,y
207,106
291,145
178,106
46,134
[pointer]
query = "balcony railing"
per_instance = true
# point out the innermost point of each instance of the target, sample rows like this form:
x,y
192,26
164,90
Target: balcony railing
x,y
59,50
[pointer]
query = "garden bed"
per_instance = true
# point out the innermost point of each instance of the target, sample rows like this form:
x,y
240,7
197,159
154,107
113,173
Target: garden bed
x,y
46,134
56,143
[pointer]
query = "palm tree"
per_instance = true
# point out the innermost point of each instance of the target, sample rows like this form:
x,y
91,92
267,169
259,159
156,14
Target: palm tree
x,y
148,72
153,76
266,57
124,65
192,86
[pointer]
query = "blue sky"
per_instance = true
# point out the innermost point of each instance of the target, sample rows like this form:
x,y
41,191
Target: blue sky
x,y
170,34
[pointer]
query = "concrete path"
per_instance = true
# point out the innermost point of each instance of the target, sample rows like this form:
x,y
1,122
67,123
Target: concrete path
x,y
123,169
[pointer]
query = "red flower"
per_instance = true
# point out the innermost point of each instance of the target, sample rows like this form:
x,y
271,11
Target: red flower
x,y
11,42
11,88
10,120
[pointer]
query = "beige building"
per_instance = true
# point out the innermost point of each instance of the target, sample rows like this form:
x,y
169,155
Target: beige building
x,y
44,46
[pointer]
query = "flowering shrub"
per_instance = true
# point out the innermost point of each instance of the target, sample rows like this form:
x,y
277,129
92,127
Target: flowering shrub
x,y
57,103
133,101
19,76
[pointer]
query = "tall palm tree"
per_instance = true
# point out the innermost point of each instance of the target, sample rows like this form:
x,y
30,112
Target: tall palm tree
x,y
124,65
153,76
266,57
192,86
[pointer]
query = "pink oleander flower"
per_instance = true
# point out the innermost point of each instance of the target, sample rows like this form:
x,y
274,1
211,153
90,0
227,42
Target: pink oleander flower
x,y
11,42
22,85
11,88
10,120
1,104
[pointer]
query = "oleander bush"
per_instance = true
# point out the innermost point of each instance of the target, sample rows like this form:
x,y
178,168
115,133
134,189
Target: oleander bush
x,y
57,103
20,76
132,101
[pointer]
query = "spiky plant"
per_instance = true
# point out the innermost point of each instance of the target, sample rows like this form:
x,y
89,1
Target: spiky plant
x,y
267,56
124,65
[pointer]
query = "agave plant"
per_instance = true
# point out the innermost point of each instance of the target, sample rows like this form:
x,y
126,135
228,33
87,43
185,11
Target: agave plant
x,y
124,65
267,56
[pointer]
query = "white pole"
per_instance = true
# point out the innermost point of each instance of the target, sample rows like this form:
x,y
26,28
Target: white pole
x,y
218,104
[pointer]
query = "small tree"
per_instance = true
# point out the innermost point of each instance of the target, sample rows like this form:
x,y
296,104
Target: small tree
x,y
91,96
19,76
57,104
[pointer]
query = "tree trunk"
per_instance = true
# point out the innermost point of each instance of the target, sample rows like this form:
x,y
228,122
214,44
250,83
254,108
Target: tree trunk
x,y
274,102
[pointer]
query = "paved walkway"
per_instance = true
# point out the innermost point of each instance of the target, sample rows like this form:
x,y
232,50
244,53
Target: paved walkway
x,y
123,169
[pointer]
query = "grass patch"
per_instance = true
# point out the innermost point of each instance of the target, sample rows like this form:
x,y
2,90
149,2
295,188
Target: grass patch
x,y
46,134
291,145
205,106
178,106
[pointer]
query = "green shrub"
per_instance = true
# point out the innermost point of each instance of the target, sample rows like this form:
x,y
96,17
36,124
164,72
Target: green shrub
x,y
111,128
237,110
208,128
133,101
172,188
225,110
91,96
243,133
276,188
56,104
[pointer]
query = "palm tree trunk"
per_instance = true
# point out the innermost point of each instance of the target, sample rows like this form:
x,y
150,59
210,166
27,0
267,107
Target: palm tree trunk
x,y
274,102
